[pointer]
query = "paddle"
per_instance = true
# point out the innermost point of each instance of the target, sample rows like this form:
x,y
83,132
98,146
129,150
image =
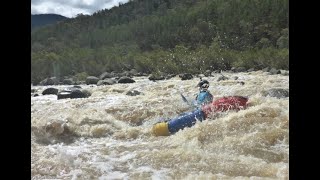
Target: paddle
x,y
184,98
186,101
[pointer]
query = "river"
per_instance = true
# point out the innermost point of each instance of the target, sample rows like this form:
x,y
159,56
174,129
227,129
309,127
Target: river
x,y
108,135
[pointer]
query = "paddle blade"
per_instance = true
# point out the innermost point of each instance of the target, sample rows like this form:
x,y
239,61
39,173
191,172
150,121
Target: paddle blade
x,y
184,98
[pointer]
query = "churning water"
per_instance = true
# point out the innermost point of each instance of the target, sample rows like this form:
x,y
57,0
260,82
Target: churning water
x,y
108,135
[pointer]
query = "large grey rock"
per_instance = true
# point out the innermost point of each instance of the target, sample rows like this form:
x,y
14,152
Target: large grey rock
x,y
126,80
73,93
92,80
50,91
68,81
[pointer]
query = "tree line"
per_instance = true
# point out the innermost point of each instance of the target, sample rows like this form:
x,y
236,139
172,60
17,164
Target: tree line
x,y
165,36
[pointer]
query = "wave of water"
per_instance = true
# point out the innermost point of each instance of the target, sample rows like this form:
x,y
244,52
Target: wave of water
x,y
108,135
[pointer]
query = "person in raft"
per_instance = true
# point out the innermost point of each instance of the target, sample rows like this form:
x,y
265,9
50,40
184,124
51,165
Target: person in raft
x,y
204,96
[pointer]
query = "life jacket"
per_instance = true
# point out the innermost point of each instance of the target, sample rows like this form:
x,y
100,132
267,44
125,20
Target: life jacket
x,y
204,97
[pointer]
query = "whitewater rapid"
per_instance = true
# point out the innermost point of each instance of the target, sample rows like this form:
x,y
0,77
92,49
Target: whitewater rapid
x,y
108,135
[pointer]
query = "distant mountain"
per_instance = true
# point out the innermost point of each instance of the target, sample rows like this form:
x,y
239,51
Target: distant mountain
x,y
38,20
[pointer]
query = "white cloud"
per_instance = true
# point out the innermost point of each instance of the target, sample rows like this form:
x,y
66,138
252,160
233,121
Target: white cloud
x,y
70,8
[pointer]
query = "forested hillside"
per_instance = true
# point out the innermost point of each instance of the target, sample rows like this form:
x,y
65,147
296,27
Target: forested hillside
x,y
171,36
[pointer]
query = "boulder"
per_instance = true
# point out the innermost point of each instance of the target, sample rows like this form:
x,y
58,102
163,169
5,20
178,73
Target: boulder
x,y
50,91
92,80
126,79
73,93
68,81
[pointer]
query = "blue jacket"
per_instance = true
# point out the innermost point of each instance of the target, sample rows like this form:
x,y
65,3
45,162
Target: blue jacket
x,y
204,97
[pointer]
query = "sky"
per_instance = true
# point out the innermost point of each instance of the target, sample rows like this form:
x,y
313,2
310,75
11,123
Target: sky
x,y
70,8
